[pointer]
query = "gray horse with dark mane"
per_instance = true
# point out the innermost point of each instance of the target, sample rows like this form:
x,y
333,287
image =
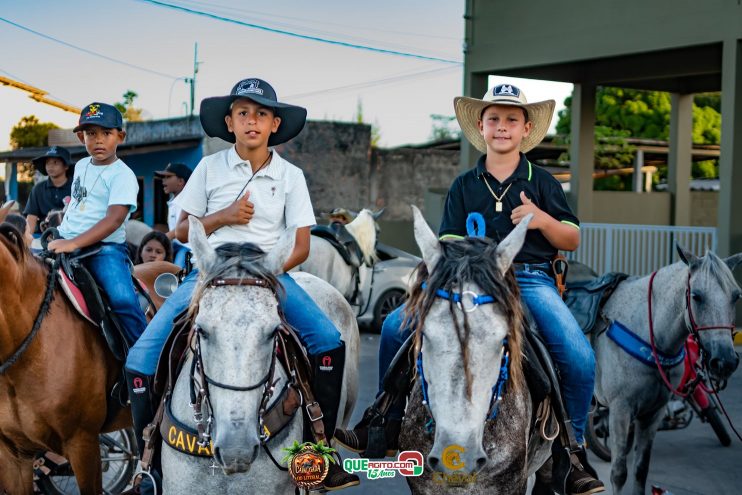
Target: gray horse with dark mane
x,y
696,295
481,441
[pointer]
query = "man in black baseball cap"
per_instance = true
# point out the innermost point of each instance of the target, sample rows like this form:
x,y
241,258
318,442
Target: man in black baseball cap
x,y
49,194
174,179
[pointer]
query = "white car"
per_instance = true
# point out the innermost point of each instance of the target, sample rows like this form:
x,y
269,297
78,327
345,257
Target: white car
x,y
386,287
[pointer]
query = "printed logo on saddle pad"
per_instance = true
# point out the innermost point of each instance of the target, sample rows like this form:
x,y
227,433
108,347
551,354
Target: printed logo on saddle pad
x,y
326,364
138,386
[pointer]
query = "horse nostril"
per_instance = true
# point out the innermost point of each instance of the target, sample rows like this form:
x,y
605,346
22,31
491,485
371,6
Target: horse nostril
x,y
481,462
433,462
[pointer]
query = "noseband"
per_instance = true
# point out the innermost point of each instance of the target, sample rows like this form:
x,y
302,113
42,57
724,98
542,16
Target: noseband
x,y
497,390
200,381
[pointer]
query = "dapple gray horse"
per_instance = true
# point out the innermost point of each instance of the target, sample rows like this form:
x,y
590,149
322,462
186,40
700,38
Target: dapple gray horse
x,y
462,348
325,262
237,347
633,391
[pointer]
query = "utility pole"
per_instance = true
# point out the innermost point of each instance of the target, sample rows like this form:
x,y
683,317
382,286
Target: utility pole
x,y
192,81
38,94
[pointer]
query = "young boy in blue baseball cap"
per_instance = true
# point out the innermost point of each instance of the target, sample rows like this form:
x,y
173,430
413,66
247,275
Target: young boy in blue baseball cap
x,y
104,194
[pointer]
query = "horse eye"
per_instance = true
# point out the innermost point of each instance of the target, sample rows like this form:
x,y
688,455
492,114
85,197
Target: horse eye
x,y
697,297
736,297
203,333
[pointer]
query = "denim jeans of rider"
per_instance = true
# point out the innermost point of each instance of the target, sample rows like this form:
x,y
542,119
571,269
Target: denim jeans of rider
x,y
314,328
111,270
568,346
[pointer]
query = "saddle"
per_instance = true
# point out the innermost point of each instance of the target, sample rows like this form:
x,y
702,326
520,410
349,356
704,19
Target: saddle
x,y
586,298
342,241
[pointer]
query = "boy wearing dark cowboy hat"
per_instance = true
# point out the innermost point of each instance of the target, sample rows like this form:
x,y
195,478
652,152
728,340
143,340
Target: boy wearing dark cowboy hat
x,y
249,193
504,187
49,194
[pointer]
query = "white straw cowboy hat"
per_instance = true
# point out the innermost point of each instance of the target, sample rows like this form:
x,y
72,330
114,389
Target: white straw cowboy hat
x,y
469,112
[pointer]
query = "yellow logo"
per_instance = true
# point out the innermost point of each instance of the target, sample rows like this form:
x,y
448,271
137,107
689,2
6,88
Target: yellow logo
x,y
451,457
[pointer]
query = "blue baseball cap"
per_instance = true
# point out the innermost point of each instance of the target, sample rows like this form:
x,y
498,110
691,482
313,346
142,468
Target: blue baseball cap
x,y
100,114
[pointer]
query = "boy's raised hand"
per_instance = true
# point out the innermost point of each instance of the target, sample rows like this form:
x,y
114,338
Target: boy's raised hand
x,y
527,207
240,212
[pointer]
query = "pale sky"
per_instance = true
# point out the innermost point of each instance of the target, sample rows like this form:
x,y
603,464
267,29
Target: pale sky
x,y
398,93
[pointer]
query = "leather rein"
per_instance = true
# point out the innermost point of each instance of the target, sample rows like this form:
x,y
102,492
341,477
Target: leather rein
x,y
682,391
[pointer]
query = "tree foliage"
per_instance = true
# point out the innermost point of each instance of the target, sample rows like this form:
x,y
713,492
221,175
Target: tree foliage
x,y
30,133
444,127
127,108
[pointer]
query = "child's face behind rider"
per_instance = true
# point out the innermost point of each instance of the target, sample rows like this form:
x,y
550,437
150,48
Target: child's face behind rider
x,y
101,143
503,127
251,123
153,251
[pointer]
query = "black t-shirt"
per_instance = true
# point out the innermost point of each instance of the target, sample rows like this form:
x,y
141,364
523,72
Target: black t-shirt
x,y
469,193
45,197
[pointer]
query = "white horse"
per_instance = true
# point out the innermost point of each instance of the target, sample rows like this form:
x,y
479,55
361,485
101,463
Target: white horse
x,y
237,326
326,263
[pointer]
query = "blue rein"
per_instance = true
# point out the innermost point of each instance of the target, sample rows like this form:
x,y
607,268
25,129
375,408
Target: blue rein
x,y
498,388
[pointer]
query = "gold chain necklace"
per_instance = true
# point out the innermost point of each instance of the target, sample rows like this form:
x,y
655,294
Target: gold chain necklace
x,y
498,200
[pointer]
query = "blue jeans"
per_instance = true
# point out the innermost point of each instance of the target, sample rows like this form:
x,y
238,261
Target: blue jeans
x,y
315,329
179,254
111,270
568,346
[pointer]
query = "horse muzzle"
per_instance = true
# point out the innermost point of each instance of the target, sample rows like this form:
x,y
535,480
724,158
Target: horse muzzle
x,y
722,366
236,459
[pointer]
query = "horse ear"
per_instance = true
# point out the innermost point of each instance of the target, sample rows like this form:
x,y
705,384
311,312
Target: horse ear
x,y
276,258
205,254
426,240
510,246
733,261
686,256
377,214
6,209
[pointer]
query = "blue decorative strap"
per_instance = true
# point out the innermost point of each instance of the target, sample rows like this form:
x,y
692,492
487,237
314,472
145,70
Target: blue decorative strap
x,y
639,349
455,297
475,226
497,389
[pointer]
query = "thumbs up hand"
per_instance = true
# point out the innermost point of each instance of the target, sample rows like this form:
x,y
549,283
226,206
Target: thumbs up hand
x,y
527,207
240,212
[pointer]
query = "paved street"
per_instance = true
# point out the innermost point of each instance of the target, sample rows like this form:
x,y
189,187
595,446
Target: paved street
x,y
686,462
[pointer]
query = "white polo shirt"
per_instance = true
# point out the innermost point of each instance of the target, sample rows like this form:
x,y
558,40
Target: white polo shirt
x,y
278,191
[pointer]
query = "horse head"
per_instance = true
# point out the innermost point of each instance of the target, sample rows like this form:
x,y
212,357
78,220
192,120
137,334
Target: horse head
x,y
236,327
363,230
711,296
464,311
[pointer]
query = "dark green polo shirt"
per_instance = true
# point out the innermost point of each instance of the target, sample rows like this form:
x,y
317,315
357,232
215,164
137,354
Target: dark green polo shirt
x,y
468,193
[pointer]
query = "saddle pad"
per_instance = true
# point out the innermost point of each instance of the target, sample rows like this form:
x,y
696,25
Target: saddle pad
x,y
585,299
342,241
75,296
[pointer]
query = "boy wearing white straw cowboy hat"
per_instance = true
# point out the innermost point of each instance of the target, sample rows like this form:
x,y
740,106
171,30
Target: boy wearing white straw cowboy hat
x,y
504,187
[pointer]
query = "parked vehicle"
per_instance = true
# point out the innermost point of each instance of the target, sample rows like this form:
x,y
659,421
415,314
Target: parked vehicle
x,y
384,287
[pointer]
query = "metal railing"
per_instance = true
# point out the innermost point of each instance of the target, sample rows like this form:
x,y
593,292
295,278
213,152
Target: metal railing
x,y
638,249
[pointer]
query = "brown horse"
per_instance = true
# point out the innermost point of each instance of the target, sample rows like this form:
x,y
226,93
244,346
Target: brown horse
x,y
53,397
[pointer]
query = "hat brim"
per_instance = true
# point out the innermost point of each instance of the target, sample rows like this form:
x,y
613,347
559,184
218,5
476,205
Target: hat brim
x,y
164,173
469,110
214,109
82,126
40,163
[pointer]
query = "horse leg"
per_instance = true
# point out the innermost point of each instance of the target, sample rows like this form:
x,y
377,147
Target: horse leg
x,y
619,423
644,431
83,452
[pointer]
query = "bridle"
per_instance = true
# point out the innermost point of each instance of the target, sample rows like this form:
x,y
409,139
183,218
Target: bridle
x,y
497,390
695,331
199,380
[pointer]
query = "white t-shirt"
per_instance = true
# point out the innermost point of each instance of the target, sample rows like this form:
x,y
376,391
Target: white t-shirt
x,y
94,189
173,214
278,191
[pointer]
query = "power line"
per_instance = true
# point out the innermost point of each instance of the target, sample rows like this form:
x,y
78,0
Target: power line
x,y
298,35
85,50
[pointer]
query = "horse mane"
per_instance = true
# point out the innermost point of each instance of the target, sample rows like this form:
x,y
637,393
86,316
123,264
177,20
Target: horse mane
x,y
235,260
363,230
469,261
12,239
715,268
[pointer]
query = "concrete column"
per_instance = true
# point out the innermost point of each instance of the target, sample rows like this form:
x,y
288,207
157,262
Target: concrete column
x,y
730,162
582,151
679,157
638,164
475,85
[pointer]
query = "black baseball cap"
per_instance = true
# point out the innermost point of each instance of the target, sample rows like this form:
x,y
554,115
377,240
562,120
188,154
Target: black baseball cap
x,y
177,169
100,114
53,152
215,108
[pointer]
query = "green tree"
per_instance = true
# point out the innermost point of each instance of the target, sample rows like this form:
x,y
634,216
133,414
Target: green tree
x,y
444,127
127,109
29,133
359,119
